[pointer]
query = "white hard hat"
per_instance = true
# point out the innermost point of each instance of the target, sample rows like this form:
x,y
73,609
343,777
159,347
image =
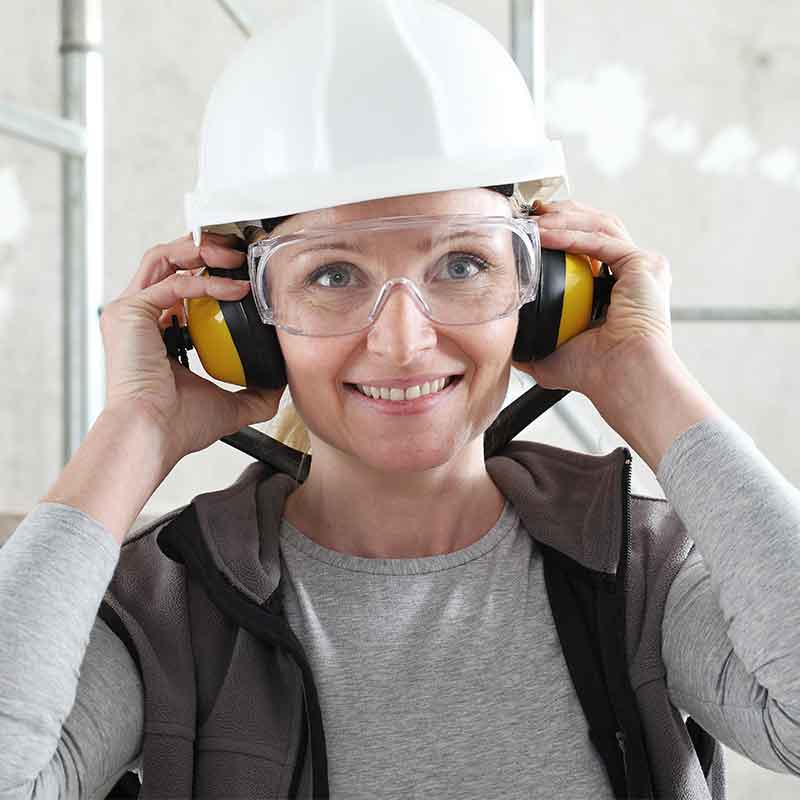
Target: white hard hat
x,y
341,101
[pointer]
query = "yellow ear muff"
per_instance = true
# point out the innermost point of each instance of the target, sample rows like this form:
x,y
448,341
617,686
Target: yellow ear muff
x,y
576,311
213,341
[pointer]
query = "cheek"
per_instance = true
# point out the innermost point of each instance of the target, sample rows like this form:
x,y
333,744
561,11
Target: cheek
x,y
490,352
311,365
492,348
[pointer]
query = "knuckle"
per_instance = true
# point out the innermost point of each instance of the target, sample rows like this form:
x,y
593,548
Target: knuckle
x,y
109,314
152,254
180,278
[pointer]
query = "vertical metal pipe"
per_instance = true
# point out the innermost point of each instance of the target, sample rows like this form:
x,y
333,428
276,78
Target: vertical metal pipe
x,y
82,215
528,50
527,46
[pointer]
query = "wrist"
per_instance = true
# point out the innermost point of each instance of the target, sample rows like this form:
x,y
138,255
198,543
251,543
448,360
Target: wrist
x,y
649,397
122,460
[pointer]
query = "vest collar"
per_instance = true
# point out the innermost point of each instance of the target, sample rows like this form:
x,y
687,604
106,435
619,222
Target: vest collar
x,y
570,501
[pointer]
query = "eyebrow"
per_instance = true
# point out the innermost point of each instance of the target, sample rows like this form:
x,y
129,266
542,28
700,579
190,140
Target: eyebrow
x,y
422,246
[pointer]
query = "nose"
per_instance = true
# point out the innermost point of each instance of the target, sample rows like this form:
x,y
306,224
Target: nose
x,y
401,331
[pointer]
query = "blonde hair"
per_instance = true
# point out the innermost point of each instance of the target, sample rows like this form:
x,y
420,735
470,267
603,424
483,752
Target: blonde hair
x,y
289,428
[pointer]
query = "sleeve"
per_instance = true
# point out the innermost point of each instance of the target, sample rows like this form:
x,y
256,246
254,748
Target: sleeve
x,y
730,633
71,698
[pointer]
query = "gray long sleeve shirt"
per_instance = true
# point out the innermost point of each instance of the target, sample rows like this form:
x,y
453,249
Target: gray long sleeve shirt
x,y
439,676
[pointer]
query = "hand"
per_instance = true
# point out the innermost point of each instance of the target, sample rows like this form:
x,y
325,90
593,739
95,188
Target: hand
x,y
191,412
638,316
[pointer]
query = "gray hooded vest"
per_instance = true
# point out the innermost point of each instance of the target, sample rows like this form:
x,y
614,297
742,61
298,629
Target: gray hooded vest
x,y
230,700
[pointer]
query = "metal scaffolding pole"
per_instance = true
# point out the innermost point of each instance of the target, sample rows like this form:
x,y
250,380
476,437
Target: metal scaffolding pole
x,y
527,46
528,50
78,136
82,214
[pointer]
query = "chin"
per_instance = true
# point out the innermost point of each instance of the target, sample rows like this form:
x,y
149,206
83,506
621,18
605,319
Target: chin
x,y
410,456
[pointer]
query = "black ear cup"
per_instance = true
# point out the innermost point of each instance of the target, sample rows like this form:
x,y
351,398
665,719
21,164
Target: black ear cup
x,y
256,344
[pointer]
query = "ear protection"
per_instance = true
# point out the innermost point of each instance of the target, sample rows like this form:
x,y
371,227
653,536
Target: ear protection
x,y
236,347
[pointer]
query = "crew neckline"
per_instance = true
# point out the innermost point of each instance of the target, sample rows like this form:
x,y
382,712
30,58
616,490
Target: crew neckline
x,y
289,535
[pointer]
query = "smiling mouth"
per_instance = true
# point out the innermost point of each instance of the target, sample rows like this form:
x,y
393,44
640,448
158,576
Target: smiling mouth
x,y
410,393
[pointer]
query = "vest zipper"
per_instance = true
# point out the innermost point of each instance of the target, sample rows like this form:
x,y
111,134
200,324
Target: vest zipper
x,y
621,742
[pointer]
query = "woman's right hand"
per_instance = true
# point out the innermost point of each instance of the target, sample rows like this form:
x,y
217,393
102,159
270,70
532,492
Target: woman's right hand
x,y
191,412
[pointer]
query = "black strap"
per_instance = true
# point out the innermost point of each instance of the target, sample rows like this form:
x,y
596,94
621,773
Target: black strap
x,y
704,744
126,787
516,416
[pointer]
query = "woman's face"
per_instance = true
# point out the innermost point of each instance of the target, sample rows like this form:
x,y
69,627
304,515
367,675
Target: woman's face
x,y
403,348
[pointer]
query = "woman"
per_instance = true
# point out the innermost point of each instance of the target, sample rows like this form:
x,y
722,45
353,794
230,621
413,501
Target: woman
x,y
413,585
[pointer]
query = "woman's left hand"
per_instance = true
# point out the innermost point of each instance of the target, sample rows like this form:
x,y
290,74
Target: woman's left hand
x,y
638,316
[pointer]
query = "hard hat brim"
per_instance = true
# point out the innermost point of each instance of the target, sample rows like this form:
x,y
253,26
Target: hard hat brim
x,y
539,174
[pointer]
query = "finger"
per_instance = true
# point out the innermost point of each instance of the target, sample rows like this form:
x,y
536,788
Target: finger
x,y
543,206
594,245
182,254
164,295
588,221
178,310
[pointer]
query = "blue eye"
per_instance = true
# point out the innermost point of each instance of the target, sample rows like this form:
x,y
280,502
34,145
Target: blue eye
x,y
332,276
461,266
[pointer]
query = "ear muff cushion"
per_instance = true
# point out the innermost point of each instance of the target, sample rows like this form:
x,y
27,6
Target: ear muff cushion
x,y
539,320
256,344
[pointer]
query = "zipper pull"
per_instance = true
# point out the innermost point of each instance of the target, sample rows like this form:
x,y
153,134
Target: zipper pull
x,y
621,742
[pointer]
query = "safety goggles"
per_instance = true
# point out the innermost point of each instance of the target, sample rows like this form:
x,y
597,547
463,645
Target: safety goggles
x,y
460,270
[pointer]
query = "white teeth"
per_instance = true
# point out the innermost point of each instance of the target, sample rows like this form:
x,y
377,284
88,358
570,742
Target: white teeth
x,y
396,395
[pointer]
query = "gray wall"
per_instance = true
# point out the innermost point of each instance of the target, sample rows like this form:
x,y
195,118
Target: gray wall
x,y
682,119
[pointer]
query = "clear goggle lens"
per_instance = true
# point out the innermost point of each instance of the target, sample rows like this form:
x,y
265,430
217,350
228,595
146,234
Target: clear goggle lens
x,y
461,270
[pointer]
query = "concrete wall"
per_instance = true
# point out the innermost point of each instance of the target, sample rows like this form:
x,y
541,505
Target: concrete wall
x,y
682,119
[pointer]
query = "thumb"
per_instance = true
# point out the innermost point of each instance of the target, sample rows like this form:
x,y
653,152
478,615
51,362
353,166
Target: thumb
x,y
256,405
556,371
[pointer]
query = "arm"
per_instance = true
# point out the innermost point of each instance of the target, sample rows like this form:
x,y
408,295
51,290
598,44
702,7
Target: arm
x,y
71,701
70,696
730,634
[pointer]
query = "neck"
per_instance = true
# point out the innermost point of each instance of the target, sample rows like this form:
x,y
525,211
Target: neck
x,y
346,506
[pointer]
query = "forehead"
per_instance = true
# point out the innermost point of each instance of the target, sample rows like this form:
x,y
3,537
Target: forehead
x,y
472,201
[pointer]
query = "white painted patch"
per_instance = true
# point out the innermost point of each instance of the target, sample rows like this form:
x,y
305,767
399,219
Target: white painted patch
x,y
730,152
13,210
780,165
609,111
5,303
675,135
